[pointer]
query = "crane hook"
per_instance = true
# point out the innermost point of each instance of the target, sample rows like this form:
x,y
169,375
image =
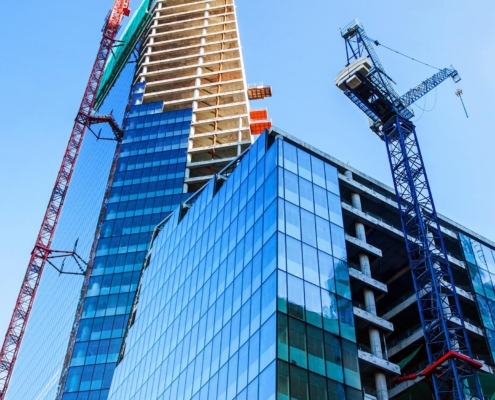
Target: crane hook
x,y
458,93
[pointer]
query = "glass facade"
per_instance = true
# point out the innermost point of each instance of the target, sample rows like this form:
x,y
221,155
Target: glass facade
x,y
480,261
247,295
316,339
45,341
147,186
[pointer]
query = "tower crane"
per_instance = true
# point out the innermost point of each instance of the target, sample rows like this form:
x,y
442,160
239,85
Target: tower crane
x,y
452,371
42,249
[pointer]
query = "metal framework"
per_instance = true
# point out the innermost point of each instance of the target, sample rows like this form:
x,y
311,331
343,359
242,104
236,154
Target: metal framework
x,y
41,251
452,371
429,84
63,254
440,311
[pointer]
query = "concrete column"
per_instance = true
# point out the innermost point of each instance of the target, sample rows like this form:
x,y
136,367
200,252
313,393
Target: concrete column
x,y
185,187
381,386
149,50
360,232
356,201
364,263
375,343
239,136
197,84
369,300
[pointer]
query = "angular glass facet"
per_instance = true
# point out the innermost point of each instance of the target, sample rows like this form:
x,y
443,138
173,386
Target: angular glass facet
x,y
245,276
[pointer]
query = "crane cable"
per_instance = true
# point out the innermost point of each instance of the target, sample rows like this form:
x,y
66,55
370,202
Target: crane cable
x,y
377,43
423,110
424,105
458,91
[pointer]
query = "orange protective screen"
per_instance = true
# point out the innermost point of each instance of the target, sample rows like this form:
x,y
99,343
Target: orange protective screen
x,y
258,127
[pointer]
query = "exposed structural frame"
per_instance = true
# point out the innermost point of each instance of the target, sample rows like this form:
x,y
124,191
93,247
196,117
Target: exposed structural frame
x,y
452,370
439,308
42,248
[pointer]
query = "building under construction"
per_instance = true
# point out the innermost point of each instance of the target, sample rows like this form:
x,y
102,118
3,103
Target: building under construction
x,y
203,254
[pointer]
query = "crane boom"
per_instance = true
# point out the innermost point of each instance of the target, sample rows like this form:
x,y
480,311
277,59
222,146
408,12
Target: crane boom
x,y
429,84
42,248
452,370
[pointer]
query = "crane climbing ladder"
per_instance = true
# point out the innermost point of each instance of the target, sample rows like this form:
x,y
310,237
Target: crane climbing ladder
x,y
452,370
42,249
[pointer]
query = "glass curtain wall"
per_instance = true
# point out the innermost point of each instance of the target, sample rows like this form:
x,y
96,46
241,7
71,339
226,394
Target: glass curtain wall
x,y
39,364
316,340
247,296
480,261
147,186
206,317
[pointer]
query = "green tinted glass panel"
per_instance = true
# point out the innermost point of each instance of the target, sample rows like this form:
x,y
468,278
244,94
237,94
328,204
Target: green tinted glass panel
x,y
122,51
467,248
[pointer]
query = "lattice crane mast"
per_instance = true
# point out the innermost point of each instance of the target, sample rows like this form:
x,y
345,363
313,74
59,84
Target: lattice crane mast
x,y
452,370
42,249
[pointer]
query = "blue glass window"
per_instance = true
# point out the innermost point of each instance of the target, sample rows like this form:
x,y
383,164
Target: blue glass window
x,y
306,195
294,257
293,223
311,273
290,157
291,184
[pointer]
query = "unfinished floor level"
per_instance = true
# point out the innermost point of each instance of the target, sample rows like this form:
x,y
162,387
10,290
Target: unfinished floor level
x,y
192,59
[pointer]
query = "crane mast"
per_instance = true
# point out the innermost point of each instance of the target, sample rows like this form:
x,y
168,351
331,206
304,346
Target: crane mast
x,y
42,249
452,371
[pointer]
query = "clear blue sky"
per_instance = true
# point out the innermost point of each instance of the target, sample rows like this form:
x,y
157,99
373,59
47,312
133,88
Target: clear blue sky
x,y
48,49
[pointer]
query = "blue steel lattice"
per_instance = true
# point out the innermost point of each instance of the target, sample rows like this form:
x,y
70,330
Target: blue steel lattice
x,y
439,308
429,84
375,96
441,316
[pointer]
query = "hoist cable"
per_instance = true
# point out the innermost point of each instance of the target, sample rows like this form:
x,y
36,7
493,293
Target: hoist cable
x,y
377,43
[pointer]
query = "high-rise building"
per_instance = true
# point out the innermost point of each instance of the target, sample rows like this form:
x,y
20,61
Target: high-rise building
x,y
286,276
246,285
224,264
188,118
192,60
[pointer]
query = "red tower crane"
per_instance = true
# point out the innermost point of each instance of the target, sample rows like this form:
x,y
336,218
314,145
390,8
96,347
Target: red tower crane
x,y
42,249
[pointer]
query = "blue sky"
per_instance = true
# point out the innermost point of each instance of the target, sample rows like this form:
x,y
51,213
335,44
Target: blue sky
x,y
49,47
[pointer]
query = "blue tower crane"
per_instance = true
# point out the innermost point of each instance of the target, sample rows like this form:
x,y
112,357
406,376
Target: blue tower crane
x,y
452,371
